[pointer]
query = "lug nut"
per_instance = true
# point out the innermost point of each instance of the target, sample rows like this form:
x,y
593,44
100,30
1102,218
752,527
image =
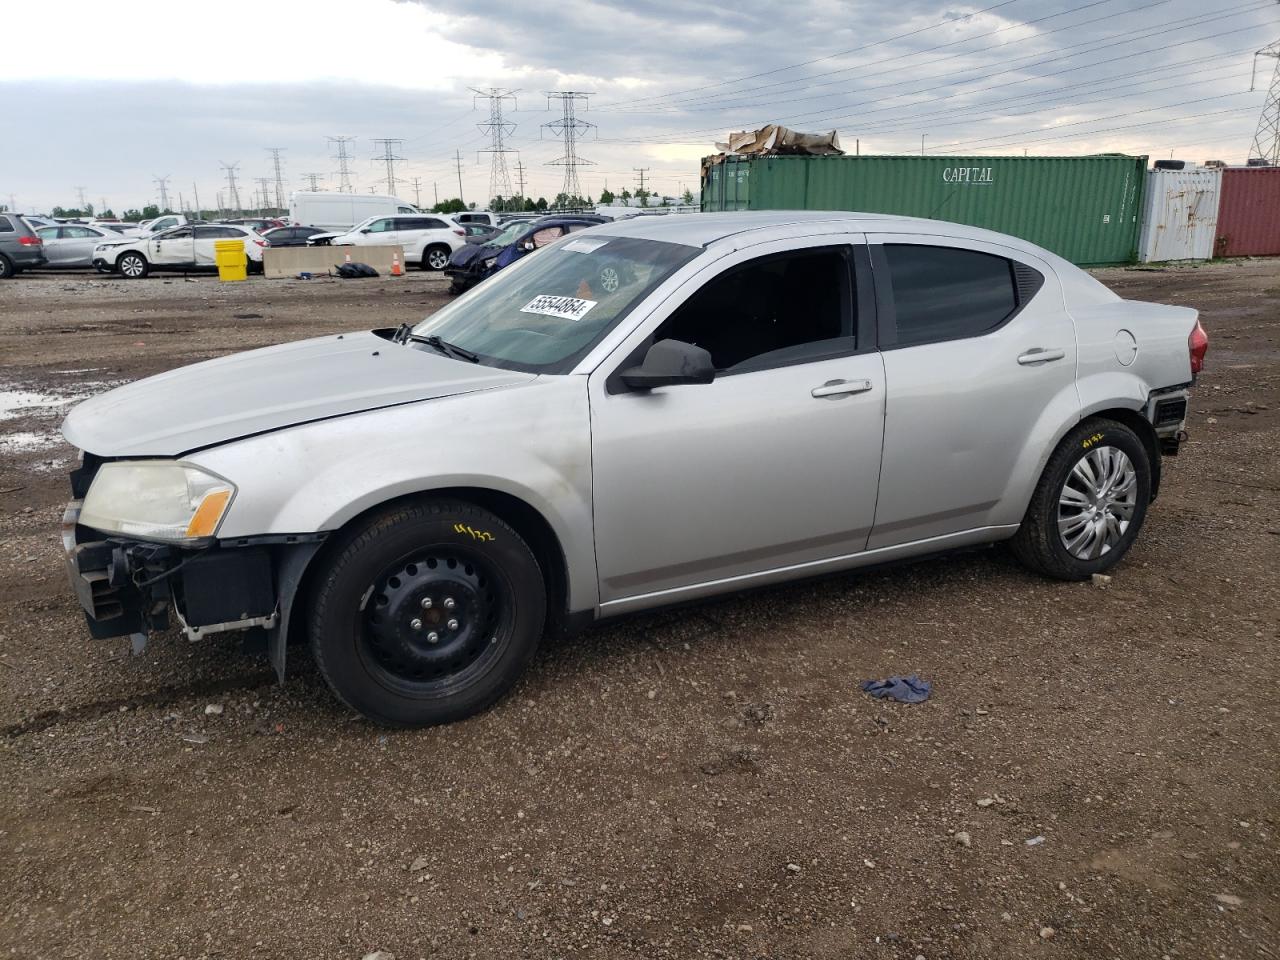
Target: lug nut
x,y
452,624
416,624
433,637
448,603
426,603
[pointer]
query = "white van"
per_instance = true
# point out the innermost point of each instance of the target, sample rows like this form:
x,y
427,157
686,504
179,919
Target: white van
x,y
341,211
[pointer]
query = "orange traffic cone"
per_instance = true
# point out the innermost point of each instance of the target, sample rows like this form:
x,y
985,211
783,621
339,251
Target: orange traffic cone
x,y
346,257
395,264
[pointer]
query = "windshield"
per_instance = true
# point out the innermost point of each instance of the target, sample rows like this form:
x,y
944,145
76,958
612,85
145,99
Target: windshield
x,y
508,235
544,313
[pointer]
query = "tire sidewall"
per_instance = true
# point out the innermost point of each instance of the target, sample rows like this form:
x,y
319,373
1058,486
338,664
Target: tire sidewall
x,y
6,268
137,256
426,258
1089,436
353,568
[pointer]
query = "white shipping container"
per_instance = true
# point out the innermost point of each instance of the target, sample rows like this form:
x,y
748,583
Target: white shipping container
x,y
1179,214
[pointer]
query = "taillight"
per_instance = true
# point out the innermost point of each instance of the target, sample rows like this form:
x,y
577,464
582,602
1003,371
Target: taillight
x,y
30,242
461,233
259,241
1197,346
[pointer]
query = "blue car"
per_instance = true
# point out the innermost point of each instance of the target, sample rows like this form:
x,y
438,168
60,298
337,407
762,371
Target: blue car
x,y
472,263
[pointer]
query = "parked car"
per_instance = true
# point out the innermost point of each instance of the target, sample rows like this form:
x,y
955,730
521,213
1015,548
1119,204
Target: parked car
x,y
486,217
478,232
663,409
471,264
20,246
183,248
427,240
160,224
73,244
35,223
340,212
122,229
260,224
291,236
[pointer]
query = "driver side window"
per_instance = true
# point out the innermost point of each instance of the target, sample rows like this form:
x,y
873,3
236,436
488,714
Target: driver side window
x,y
380,226
786,308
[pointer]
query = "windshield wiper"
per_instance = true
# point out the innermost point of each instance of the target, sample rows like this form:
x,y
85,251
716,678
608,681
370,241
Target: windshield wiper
x,y
405,334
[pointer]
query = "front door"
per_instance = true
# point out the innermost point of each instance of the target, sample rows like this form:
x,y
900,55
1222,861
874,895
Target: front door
x,y
176,247
775,462
980,365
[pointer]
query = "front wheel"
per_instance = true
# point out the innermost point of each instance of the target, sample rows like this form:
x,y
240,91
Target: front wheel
x,y
1089,505
427,613
134,266
435,258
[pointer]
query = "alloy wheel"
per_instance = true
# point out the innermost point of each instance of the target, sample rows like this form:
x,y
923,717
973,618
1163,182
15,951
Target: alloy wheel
x,y
1097,502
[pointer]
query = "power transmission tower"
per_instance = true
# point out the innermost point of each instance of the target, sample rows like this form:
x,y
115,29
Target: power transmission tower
x,y
570,129
417,192
264,188
520,178
80,194
162,184
344,163
498,130
275,160
233,192
458,160
1266,139
389,158
313,180
641,171
196,190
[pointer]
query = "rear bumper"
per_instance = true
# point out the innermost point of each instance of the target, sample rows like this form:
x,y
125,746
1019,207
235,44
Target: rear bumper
x,y
26,257
1167,412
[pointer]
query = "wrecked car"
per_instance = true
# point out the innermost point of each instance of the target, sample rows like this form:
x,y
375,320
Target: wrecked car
x,y
656,411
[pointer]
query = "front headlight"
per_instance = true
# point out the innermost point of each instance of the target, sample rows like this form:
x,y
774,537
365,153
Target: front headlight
x,y
488,264
156,500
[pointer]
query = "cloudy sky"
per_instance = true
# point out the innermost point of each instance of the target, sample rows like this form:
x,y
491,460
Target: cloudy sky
x,y
106,96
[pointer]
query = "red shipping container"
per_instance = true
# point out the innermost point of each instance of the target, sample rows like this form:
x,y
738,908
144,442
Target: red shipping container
x,y
1249,213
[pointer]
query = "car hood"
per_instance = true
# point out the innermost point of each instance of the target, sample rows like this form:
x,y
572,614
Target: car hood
x,y
464,256
269,389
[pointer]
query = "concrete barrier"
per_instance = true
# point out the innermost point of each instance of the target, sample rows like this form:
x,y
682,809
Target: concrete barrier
x,y
279,262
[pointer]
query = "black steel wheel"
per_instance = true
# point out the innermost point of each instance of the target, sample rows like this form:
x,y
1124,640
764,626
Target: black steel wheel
x,y
427,613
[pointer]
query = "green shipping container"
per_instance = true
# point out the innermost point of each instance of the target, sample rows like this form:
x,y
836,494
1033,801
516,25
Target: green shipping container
x,y
1084,209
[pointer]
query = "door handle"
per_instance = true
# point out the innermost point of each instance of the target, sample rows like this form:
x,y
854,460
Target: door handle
x,y
1040,355
838,388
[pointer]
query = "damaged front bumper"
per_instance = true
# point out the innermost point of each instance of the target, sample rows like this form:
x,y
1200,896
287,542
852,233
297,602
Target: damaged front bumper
x,y
129,587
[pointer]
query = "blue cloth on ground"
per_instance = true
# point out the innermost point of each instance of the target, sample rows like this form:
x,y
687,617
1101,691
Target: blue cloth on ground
x,y
903,689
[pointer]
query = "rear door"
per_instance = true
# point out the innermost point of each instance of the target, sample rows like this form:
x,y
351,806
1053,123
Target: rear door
x,y
75,245
980,362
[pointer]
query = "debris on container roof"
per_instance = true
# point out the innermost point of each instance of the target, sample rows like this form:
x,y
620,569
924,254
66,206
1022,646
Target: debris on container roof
x,y
773,140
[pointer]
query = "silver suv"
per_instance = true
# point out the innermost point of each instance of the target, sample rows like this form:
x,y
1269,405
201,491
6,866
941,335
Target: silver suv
x,y
20,247
641,414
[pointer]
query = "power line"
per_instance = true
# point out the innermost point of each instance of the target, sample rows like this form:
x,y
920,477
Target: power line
x,y
497,130
275,161
832,56
389,158
1266,138
344,162
570,129
233,193
162,184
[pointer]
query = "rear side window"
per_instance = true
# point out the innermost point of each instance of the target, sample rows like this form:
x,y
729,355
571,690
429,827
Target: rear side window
x,y
5,225
946,293
420,223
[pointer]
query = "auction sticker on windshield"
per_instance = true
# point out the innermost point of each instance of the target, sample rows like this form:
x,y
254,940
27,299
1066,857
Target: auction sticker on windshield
x,y
566,308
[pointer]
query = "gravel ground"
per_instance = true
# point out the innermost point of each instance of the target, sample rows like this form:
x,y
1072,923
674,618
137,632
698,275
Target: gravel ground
x,y
1097,773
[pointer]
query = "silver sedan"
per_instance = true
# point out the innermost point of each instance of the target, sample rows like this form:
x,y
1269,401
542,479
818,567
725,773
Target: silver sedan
x,y
71,244
644,413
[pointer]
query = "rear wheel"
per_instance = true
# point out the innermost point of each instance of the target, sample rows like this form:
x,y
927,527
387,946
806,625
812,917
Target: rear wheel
x,y
427,613
1089,505
132,265
435,258
6,267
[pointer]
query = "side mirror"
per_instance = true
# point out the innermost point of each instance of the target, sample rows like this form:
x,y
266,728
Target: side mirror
x,y
671,362
365,230
527,246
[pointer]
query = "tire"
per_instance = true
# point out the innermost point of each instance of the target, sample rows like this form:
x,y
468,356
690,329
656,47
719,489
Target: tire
x,y
132,266
1089,505
6,268
436,257
435,569
457,287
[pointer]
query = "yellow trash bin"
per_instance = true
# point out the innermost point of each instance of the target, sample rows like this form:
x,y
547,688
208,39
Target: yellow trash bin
x,y
231,259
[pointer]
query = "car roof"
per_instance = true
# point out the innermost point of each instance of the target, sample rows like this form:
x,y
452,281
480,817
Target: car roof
x,y
704,229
